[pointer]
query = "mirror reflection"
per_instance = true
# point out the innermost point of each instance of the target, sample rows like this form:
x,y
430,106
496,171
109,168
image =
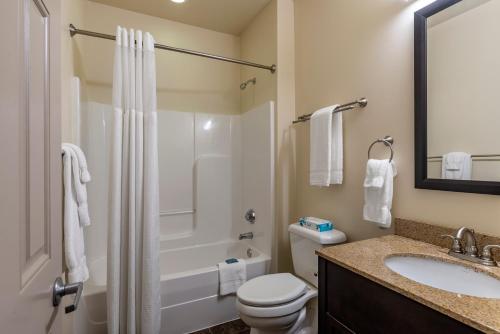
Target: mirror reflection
x,y
463,83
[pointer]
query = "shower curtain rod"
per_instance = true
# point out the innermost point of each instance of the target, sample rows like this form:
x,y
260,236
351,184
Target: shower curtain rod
x,y
75,31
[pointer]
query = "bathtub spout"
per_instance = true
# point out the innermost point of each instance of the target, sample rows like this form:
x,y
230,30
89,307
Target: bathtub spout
x,y
248,235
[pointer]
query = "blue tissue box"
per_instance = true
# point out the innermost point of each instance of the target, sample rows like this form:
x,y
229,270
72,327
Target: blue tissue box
x,y
316,224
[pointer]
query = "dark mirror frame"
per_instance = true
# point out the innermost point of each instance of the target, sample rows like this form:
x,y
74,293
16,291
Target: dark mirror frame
x,y
420,63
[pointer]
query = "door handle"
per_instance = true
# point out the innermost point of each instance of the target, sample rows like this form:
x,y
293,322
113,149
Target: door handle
x,y
60,290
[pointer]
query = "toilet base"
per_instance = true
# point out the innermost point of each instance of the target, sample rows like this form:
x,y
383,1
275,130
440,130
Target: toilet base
x,y
301,322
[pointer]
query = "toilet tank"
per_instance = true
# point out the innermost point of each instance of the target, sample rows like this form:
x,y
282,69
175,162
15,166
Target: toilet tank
x,y
304,242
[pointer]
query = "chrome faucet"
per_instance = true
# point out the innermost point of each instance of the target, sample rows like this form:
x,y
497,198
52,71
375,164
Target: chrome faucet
x,y
464,246
248,235
469,244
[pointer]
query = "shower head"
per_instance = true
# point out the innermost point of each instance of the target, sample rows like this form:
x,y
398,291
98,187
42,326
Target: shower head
x,y
244,85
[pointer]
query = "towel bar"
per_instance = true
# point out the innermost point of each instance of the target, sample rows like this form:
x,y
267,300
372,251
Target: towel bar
x,y
361,103
387,141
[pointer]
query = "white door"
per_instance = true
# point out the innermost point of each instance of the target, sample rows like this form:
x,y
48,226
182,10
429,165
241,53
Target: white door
x,y
30,166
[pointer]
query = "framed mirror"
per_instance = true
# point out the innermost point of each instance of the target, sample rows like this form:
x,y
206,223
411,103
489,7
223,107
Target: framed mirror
x,y
457,83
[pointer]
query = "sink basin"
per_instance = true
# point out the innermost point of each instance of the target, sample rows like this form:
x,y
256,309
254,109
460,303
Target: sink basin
x,y
445,276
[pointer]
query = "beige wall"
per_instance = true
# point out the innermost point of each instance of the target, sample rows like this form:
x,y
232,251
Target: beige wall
x,y
346,50
71,62
462,90
71,12
269,39
258,44
285,160
185,83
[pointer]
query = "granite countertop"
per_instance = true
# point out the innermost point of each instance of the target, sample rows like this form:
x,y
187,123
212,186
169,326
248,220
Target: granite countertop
x,y
366,258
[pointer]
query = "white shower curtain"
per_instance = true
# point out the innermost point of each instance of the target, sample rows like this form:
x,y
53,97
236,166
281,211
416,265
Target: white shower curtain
x,y
133,279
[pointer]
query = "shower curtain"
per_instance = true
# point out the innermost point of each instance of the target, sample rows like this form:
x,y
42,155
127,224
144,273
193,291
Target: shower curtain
x,y
133,278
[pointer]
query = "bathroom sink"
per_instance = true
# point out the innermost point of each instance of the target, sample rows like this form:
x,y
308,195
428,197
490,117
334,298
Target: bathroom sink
x,y
445,276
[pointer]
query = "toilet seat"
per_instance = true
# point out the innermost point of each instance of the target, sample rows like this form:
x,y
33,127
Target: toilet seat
x,y
273,289
274,295
278,310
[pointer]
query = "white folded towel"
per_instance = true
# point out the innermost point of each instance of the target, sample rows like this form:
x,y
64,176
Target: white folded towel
x,y
378,186
80,173
326,148
456,166
231,276
74,248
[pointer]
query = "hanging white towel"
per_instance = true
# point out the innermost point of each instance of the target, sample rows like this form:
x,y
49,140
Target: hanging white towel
x,y
231,276
378,187
82,163
74,247
80,173
326,148
376,171
456,166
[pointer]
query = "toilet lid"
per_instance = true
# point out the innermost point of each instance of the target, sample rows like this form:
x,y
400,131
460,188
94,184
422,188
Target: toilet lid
x,y
271,290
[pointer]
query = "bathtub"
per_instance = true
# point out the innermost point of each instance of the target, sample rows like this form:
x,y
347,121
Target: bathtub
x,y
189,288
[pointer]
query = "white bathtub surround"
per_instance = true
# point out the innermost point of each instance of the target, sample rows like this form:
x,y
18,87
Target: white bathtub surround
x,y
326,161
76,109
378,187
189,286
74,248
456,166
258,143
231,276
133,290
216,166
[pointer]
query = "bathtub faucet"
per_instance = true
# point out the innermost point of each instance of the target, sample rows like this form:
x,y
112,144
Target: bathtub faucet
x,y
248,235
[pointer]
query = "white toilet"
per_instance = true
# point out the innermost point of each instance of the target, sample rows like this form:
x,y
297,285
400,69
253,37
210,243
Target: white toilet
x,y
284,303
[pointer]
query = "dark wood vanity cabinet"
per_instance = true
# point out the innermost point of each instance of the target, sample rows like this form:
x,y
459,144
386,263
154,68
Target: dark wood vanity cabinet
x,y
351,303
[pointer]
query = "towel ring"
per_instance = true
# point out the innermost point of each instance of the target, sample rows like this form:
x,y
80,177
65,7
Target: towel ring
x,y
388,141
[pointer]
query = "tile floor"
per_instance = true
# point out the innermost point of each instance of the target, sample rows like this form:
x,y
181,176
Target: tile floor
x,y
233,327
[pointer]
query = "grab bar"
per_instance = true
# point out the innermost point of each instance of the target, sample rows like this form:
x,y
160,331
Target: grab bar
x,y
176,213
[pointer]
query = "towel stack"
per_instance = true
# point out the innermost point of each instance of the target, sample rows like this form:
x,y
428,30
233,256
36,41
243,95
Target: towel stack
x,y
76,211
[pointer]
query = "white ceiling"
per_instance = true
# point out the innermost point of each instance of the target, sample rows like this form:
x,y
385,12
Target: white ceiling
x,y
228,16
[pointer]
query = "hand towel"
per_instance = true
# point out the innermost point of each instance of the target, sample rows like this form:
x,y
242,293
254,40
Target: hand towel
x,y
231,276
378,187
326,148
74,247
80,188
375,173
456,166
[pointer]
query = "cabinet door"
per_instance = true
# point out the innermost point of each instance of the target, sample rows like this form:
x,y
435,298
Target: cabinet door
x,y
336,327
